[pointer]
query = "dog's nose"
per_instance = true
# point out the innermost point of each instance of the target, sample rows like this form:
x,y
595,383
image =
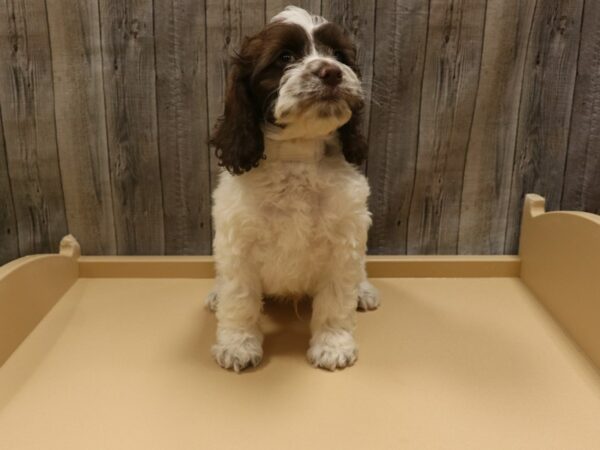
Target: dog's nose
x,y
330,74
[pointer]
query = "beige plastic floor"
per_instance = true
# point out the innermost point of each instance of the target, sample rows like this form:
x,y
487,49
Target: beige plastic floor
x,y
445,363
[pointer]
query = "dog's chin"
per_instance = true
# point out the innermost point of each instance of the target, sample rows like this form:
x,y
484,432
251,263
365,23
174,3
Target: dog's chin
x,y
319,116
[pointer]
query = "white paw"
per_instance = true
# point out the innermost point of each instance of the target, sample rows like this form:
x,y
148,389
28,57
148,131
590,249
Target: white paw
x,y
368,297
237,350
332,350
211,301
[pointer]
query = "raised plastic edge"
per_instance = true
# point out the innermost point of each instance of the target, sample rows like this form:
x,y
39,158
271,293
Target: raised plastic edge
x,y
560,264
29,288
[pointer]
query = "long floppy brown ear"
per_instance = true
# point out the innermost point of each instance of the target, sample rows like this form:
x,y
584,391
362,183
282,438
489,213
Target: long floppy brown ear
x,y
354,144
237,136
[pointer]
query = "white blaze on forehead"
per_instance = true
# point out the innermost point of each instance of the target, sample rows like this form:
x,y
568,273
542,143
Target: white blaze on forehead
x,y
299,16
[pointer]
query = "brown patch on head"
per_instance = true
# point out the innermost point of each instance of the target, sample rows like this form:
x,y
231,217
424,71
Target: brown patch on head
x,y
252,89
331,39
255,88
263,55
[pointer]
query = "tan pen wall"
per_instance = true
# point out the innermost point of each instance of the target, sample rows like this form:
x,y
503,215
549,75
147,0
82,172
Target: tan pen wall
x,y
560,255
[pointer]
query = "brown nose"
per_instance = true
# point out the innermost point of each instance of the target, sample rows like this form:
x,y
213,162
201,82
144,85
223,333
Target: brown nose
x,y
330,75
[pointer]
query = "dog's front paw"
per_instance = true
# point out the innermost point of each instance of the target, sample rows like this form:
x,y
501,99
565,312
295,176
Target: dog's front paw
x,y
368,297
211,301
238,350
332,350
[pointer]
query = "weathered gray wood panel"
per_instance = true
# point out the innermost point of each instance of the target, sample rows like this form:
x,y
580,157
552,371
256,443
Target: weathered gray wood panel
x,y
489,162
181,91
358,18
450,81
582,179
545,113
80,123
227,23
108,104
400,40
27,104
9,238
130,97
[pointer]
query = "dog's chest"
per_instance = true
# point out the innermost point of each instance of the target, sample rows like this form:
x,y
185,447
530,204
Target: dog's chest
x,y
297,221
293,209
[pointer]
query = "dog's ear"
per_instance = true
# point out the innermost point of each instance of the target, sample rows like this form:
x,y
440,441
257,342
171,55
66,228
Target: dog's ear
x,y
238,136
354,144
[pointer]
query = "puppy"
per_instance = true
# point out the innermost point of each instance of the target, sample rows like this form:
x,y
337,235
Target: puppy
x,y
290,210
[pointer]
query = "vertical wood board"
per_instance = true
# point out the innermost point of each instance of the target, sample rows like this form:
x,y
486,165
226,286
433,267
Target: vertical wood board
x,y
181,91
399,56
130,98
27,104
545,112
582,179
490,154
9,238
450,84
81,124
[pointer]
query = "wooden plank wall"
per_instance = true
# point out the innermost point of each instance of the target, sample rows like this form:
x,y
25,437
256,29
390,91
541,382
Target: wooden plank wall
x,y
545,111
106,107
29,128
81,123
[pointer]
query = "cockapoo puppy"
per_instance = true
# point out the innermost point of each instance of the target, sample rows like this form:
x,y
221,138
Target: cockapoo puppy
x,y
290,210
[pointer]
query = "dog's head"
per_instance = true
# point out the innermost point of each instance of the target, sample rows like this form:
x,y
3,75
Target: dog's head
x,y
298,76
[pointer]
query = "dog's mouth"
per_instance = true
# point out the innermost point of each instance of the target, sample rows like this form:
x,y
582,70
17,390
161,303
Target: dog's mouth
x,y
331,107
329,94
321,104
339,96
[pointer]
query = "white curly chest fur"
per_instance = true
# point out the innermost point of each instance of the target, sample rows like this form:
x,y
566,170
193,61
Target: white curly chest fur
x,y
289,222
291,229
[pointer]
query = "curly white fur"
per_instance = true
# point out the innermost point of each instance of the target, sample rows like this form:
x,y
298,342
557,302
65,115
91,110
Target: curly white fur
x,y
295,225
287,228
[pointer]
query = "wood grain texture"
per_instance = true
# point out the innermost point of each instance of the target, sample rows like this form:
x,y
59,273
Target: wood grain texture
x,y
490,154
9,239
399,56
450,82
27,104
358,18
106,107
582,181
181,91
80,123
545,112
130,97
274,7
227,23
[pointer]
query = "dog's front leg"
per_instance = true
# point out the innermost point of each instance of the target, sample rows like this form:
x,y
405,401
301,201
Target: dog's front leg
x,y
239,340
332,344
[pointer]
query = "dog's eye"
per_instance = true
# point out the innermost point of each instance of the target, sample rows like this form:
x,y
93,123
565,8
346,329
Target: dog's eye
x,y
287,57
339,55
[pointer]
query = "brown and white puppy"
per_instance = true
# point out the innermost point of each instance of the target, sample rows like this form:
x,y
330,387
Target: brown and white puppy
x,y
290,211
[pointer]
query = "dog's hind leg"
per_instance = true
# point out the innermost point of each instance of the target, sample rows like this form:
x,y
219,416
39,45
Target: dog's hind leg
x,y
212,299
368,297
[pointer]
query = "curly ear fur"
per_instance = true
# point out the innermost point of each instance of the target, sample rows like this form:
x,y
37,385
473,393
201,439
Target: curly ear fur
x,y
354,144
237,136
